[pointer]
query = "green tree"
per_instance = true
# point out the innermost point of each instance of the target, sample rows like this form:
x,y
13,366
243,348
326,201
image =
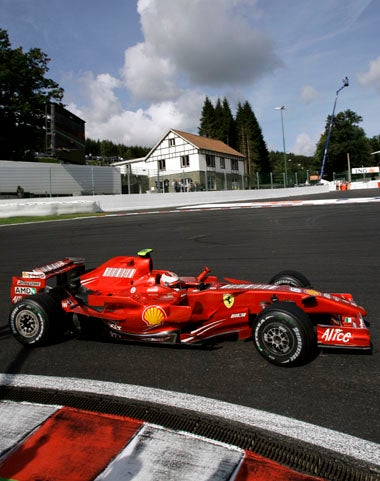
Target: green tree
x,y
301,164
250,142
24,93
106,149
207,122
92,148
346,138
374,143
218,122
229,125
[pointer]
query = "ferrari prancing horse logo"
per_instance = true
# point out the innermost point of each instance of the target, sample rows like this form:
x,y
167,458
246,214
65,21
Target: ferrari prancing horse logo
x,y
228,300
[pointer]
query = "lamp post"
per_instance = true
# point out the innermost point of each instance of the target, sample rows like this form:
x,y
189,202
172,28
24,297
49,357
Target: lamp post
x,y
345,84
283,143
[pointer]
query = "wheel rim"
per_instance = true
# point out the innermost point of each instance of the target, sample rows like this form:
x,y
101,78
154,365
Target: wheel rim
x,y
278,339
27,324
288,282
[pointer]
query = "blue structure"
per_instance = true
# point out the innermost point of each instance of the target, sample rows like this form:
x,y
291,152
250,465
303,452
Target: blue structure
x,y
345,84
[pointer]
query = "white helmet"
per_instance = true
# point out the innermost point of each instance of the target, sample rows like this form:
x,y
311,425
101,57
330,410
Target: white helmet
x,y
169,279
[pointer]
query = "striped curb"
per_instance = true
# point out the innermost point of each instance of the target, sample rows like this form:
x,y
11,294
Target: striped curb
x,y
247,205
55,443
280,203
361,450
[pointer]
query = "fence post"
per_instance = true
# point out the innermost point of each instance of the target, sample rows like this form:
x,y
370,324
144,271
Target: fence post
x,y
92,181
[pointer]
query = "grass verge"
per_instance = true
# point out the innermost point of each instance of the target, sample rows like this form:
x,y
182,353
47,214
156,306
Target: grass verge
x,y
24,220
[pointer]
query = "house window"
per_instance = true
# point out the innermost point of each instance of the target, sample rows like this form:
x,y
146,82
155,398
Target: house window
x,y
185,161
162,164
210,160
234,165
235,182
211,184
222,163
171,142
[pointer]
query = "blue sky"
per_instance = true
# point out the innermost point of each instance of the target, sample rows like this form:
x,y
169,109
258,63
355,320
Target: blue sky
x,y
133,69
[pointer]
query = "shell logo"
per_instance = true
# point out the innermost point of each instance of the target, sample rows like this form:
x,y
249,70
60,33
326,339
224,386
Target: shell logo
x,y
153,315
312,292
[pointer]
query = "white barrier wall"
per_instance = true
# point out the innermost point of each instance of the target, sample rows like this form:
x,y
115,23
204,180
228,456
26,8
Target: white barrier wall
x,y
119,203
40,178
39,207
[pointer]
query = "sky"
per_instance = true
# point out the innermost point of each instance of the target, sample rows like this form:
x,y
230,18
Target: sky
x,y
132,69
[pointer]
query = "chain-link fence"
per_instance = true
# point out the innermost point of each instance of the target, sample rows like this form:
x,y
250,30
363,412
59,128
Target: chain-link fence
x,y
163,181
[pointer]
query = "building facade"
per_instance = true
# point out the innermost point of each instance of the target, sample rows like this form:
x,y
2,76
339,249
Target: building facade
x,y
184,162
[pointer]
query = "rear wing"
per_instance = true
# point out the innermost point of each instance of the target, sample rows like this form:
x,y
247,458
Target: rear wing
x,y
32,282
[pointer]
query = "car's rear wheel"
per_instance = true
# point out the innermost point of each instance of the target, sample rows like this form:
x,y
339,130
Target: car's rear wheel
x,y
283,334
290,278
36,320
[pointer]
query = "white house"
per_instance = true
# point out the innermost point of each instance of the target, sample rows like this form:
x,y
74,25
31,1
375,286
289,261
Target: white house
x,y
183,162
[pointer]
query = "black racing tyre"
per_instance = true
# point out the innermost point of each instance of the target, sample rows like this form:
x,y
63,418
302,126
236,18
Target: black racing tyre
x,y
290,278
37,320
283,334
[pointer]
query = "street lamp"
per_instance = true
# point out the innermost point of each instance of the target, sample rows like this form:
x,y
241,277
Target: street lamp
x,y
283,143
345,84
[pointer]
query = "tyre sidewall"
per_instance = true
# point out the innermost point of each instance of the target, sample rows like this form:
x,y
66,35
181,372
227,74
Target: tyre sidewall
x,y
294,329
29,305
290,278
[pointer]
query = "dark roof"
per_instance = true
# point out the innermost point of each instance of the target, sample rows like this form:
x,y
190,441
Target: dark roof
x,y
205,143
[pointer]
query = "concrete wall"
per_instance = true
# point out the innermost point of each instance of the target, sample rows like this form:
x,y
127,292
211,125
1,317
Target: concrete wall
x,y
120,203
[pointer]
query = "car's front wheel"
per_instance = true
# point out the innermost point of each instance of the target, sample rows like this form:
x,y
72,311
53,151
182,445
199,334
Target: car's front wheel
x,y
283,334
36,320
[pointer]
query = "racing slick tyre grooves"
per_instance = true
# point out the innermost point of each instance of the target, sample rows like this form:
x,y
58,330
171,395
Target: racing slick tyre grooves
x,y
36,320
283,334
290,278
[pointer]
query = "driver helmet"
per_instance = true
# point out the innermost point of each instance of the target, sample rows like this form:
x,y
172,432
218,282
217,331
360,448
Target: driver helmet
x,y
169,279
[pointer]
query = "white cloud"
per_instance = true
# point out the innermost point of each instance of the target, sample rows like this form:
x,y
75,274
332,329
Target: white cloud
x,y
194,43
99,90
304,145
105,119
187,45
372,76
148,76
309,94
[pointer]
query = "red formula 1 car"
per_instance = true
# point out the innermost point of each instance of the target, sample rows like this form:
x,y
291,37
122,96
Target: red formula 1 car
x,y
286,318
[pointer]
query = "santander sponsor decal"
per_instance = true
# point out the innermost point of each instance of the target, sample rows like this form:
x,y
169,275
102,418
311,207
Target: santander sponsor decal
x,y
336,335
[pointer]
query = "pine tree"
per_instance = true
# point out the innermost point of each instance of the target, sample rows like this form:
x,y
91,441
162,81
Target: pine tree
x,y
229,125
206,128
250,142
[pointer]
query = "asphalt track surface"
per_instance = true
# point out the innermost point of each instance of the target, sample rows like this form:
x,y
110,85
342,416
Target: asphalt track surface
x,y
335,246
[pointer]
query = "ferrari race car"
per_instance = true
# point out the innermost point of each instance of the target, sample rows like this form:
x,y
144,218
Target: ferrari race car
x,y
286,318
